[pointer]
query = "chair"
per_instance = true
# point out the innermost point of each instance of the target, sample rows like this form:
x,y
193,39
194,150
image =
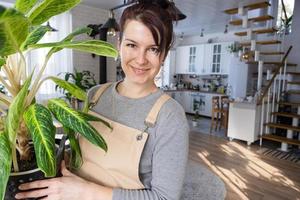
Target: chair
x,y
224,113
215,113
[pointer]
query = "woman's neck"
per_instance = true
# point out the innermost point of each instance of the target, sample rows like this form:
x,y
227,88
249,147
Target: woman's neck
x,y
135,91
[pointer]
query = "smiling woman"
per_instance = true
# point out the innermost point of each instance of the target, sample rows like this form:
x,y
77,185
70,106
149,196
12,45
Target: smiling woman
x,y
148,143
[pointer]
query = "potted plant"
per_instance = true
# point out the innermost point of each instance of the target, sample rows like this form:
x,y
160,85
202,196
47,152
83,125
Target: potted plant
x,y
84,80
24,121
196,108
195,119
286,22
235,49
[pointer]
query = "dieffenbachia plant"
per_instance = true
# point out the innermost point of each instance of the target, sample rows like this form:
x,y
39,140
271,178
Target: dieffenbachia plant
x,y
22,119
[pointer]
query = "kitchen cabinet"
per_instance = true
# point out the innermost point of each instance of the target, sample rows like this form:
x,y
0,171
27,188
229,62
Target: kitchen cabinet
x,y
217,58
190,59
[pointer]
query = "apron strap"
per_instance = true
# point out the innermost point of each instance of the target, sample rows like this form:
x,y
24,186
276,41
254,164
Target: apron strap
x,y
98,93
152,116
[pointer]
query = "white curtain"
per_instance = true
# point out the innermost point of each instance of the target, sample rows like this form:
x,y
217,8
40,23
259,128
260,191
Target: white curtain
x,y
59,62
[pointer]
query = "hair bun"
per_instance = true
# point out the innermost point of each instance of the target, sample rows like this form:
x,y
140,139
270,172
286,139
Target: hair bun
x,y
161,3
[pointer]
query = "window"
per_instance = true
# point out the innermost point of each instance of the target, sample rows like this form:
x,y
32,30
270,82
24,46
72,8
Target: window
x,y
59,62
284,22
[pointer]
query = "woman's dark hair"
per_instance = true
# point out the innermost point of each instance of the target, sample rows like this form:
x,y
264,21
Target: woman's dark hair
x,y
157,15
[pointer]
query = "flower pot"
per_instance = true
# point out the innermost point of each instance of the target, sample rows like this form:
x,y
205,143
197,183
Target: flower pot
x,y
194,123
18,178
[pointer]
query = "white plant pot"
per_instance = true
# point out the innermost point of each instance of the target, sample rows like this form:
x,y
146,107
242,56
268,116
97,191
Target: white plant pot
x,y
195,123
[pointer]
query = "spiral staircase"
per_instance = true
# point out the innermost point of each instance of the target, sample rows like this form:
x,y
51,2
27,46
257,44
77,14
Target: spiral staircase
x,y
278,85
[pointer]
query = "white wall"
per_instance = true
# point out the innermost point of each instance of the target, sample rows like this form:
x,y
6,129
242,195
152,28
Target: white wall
x,y
83,15
294,37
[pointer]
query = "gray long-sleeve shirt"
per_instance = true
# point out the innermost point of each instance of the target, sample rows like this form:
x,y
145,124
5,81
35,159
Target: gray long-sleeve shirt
x,y
164,158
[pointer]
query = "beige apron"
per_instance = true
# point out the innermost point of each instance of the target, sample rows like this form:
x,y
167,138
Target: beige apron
x,y
119,166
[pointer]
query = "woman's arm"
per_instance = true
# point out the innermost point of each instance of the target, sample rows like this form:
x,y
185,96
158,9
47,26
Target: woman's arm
x,y
67,187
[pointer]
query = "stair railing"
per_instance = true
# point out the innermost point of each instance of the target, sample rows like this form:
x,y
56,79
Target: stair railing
x,y
270,96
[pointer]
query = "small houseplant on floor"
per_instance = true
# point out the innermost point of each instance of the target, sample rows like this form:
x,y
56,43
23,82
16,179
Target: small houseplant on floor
x,y
22,119
83,79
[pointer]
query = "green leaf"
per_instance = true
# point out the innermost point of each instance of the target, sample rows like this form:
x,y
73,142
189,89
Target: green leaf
x,y
5,163
70,87
16,110
14,28
71,119
35,36
90,117
49,8
75,156
2,62
70,37
24,5
38,120
92,46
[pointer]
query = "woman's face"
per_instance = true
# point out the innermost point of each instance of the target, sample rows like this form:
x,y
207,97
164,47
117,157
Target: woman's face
x,y
140,56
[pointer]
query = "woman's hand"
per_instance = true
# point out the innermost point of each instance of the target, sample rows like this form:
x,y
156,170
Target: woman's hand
x,y
67,187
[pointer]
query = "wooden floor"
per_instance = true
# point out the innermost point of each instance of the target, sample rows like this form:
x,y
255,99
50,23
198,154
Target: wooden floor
x,y
246,174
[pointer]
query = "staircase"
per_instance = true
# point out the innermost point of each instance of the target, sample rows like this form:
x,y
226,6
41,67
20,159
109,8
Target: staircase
x,y
279,111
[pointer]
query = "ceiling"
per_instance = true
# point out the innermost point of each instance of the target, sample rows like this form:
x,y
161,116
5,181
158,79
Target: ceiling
x,y
206,14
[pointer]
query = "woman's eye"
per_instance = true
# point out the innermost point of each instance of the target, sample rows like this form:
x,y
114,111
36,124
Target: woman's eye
x,y
130,45
154,50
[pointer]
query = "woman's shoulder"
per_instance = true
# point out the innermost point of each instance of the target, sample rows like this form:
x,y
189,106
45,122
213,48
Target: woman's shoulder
x,y
172,109
91,92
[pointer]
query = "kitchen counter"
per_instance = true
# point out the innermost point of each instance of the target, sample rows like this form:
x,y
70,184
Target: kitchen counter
x,y
191,90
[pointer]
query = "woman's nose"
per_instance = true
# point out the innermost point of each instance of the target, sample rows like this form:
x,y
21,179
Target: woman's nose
x,y
141,57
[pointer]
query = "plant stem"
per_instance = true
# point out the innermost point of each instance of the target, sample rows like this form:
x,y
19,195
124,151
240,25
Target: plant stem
x,y
35,85
14,159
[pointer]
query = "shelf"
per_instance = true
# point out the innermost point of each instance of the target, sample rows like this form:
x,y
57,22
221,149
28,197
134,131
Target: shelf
x,y
254,19
253,6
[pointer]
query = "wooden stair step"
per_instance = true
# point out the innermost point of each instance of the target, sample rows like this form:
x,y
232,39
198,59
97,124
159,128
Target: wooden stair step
x,y
293,92
285,103
286,114
263,18
283,126
258,31
293,82
252,6
281,139
265,42
272,63
294,73
266,53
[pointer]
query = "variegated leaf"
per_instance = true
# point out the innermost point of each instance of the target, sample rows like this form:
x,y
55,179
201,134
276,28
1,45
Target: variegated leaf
x,y
38,120
70,37
5,162
14,28
35,36
24,5
70,87
90,117
16,110
75,156
71,119
2,62
97,47
48,8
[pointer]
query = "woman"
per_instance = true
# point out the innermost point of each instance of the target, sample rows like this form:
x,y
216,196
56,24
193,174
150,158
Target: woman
x,y
148,147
